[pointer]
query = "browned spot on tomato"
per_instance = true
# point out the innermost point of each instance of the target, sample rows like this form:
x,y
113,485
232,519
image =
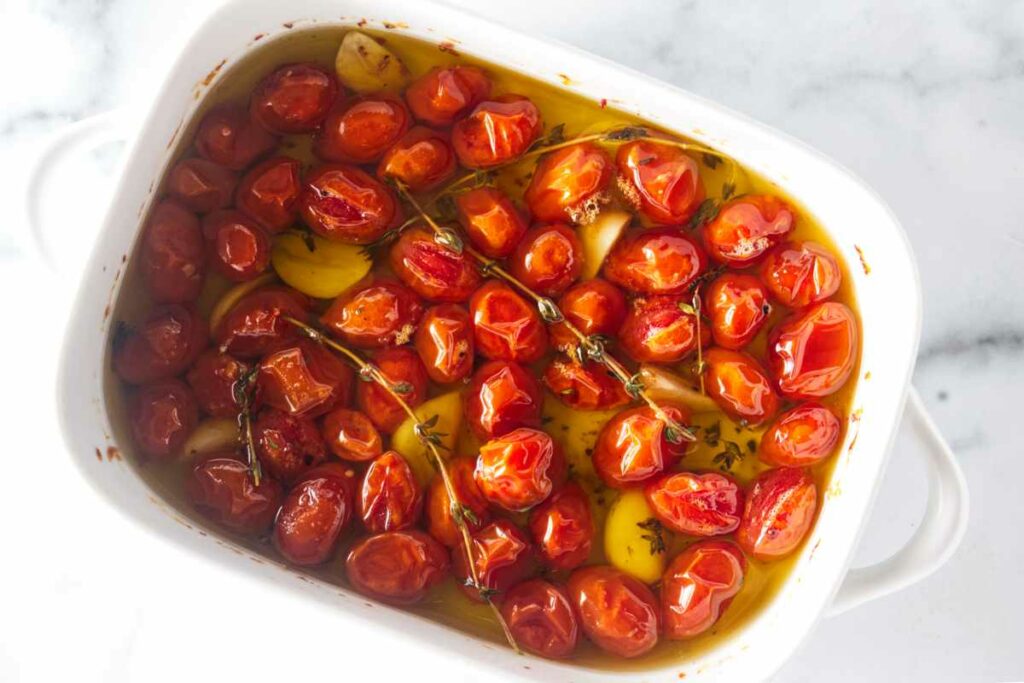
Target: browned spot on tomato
x,y
448,46
863,261
113,453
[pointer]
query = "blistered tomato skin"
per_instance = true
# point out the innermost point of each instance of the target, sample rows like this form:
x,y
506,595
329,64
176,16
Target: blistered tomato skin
x,y
740,386
401,366
563,528
804,435
496,132
433,271
166,343
801,273
239,248
812,353
295,98
397,567
746,228
541,619
738,307
389,497
660,180
502,396
569,184
163,414
422,159
444,340
269,193
221,488
505,325
654,261
256,324
382,313
616,611
304,378
286,445
229,137
696,504
212,378
173,254
444,94
350,435
492,222
346,204
548,259
594,307
514,471
698,586
314,514
438,508
361,130
201,185
587,386
503,557
779,512
632,448
657,330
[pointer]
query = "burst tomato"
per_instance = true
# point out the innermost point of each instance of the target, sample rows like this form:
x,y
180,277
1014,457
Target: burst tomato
x,y
360,130
778,513
541,619
658,330
212,379
738,308
496,132
698,586
654,261
569,184
287,445
502,396
660,180
740,386
593,307
587,386
505,325
801,273
444,341
812,353
432,270
389,497
563,528
304,378
804,435
515,471
707,504
398,567
746,228
548,259
616,611
492,222
444,94
381,313
256,324
221,487
633,446
347,204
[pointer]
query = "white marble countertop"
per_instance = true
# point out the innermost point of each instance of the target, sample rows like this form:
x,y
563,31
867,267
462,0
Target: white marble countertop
x,y
922,98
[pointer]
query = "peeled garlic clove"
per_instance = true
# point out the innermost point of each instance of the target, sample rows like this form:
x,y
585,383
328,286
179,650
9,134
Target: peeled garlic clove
x,y
665,385
599,237
212,435
364,65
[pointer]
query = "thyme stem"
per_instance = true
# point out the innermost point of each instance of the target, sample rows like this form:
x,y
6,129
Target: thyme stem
x,y
241,392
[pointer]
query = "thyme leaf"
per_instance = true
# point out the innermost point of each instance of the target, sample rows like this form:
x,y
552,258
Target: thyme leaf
x,y
656,535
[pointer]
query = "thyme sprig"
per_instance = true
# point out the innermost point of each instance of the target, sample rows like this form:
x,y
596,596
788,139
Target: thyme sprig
x,y
242,392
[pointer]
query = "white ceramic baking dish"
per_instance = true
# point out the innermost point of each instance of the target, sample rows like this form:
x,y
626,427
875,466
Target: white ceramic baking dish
x,y
862,226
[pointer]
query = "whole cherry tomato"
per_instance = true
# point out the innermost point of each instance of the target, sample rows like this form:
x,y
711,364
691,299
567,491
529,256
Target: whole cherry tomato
x,y
492,222
287,445
496,132
166,343
505,325
707,504
812,353
654,261
563,528
422,159
256,324
360,130
350,435
201,185
381,313
738,307
432,270
616,611
444,94
444,341
698,586
398,567
541,619
502,396
660,180
471,503
804,435
294,98
658,330
403,368
633,446
240,249
163,414
212,379
502,555
347,204
269,193
587,386
221,487
801,273
548,259
304,378
747,227
594,307
740,386
229,137
569,184
314,514
389,497
516,471
778,513
173,258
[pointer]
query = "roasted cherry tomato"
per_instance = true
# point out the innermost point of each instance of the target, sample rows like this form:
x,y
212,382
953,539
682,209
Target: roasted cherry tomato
x,y
616,611
563,528
738,307
654,261
516,471
389,496
658,330
492,222
294,98
502,396
747,227
397,567
778,513
503,557
287,445
444,94
221,487
444,341
360,130
800,436
801,273
541,619
569,184
256,323
594,307
660,180
173,255
812,352
269,193
505,325
314,514
350,435
633,447
163,414
201,185
439,507
496,132
548,259
586,386
432,270
304,378
383,313
695,504
166,343
422,159
229,137
212,379
698,586
240,249
346,204
740,386
403,368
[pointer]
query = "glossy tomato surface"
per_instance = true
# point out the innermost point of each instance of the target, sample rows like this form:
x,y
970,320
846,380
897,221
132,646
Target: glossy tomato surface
x,y
163,414
569,184
813,352
404,369
505,325
515,471
239,247
201,185
295,98
257,323
347,204
491,221
166,343
563,528
496,132
444,340
658,330
737,306
269,192
221,487
654,261
801,273
304,378
287,445
360,130
350,435
804,435
541,619
746,228
432,270
740,386
314,514
548,259
778,513
422,159
593,307
708,504
698,586
501,397
381,313
471,503
584,386
398,567
502,555
616,611
660,180
444,94
389,497
173,255
228,136
212,378
633,446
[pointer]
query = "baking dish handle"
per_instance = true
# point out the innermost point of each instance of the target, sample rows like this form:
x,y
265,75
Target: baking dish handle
x,y
940,532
